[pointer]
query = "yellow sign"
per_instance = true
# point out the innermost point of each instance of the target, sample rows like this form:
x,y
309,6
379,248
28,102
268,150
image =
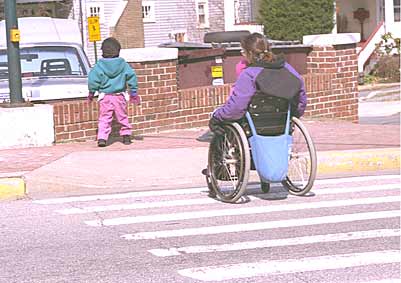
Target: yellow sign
x,y
14,35
217,71
94,29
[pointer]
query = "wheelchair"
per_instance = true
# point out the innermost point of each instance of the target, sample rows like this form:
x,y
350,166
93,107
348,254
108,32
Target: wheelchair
x,y
230,159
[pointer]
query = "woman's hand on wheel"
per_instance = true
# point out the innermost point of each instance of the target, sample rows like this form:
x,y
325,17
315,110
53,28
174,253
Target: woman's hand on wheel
x,y
215,126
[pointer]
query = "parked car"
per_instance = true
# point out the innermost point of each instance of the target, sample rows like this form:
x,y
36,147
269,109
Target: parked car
x,y
53,63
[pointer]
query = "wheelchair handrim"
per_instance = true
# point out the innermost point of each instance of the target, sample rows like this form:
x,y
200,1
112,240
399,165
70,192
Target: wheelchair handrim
x,y
229,163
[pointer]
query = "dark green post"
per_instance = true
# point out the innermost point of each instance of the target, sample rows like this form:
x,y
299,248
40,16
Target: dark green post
x,y
14,64
94,45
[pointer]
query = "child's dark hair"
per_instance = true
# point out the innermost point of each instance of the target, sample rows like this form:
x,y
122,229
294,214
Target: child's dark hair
x,y
257,48
111,48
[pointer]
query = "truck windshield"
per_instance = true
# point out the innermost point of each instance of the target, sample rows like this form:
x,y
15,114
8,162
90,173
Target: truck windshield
x,y
46,61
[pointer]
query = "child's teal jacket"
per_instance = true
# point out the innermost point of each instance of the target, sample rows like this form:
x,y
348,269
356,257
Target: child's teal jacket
x,y
112,75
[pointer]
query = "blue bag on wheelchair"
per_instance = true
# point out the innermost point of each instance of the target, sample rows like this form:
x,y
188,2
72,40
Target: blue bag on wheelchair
x,y
270,154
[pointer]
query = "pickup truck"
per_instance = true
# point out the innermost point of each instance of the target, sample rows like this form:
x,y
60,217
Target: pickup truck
x,y
53,63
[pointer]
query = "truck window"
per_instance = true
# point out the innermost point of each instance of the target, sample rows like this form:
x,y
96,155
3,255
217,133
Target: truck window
x,y
46,61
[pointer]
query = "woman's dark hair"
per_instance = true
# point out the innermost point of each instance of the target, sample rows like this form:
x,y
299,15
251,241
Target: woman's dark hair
x,y
257,48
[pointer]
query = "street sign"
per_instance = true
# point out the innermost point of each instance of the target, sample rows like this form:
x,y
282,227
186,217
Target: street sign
x,y
217,71
14,35
94,29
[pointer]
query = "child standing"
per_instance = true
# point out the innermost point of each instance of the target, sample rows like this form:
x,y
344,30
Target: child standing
x,y
110,77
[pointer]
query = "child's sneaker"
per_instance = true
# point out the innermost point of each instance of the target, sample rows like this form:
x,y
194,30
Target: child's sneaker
x,y
126,140
101,143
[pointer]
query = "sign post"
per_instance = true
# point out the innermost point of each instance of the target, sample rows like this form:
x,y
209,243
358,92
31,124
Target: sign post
x,y
94,32
13,56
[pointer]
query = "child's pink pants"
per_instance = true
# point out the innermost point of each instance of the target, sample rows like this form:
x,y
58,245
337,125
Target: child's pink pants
x,y
107,106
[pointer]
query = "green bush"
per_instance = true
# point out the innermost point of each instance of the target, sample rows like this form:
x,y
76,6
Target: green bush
x,y
370,79
388,45
387,68
292,19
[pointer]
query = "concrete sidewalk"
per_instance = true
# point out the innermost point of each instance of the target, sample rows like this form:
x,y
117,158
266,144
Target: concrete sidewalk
x,y
175,159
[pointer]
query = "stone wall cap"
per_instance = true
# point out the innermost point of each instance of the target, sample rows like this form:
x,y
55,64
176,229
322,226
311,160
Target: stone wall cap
x,y
134,55
331,39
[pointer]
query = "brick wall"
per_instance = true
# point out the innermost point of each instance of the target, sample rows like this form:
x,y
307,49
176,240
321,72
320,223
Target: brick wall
x,y
129,29
340,63
331,86
165,108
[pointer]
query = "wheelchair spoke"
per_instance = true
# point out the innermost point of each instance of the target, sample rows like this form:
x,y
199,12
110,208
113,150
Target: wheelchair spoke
x,y
303,161
227,163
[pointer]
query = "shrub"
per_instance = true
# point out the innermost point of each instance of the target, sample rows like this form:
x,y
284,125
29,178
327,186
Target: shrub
x,y
292,19
387,69
370,79
388,45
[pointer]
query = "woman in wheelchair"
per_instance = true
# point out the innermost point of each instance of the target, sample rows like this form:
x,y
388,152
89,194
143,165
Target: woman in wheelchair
x,y
265,76
266,73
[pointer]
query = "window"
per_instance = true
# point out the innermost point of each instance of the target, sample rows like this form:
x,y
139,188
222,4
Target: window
x,y
148,11
202,13
178,35
236,11
382,10
95,10
397,11
46,61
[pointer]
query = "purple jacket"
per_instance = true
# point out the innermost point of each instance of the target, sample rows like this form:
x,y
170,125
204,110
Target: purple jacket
x,y
243,90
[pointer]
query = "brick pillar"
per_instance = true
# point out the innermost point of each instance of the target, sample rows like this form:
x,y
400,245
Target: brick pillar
x,y
157,86
341,61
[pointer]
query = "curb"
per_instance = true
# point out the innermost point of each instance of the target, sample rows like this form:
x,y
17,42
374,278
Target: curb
x,y
377,86
12,188
329,162
346,161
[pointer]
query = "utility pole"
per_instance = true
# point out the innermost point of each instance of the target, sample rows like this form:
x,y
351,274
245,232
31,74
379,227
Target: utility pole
x,y
14,64
81,24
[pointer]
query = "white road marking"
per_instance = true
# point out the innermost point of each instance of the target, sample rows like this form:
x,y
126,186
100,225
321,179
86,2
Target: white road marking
x,y
196,190
269,267
121,196
237,211
210,230
390,280
202,201
131,206
356,179
312,239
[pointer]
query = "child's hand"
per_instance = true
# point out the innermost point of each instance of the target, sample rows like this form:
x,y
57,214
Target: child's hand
x,y
90,97
134,98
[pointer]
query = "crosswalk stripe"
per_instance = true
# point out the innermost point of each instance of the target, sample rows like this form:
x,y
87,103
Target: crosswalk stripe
x,y
268,267
195,190
210,230
312,239
202,201
121,196
117,207
356,179
237,211
390,280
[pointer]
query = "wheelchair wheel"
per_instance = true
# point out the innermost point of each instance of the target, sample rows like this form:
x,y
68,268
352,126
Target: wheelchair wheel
x,y
302,164
229,163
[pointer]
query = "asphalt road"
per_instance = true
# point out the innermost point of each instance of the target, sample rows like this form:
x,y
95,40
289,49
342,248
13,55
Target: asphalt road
x,y
346,230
